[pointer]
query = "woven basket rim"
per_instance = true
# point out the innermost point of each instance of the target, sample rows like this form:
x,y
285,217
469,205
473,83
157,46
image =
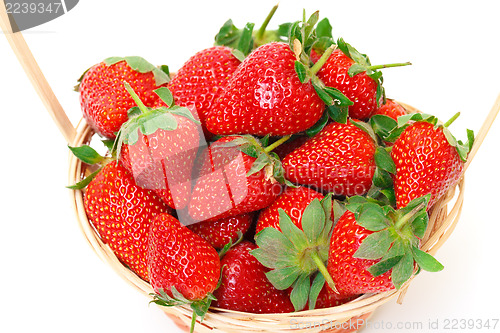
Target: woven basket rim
x,y
442,222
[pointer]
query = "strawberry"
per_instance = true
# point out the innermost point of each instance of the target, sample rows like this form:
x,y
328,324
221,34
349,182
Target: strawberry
x,y
200,80
122,213
245,287
375,249
428,159
292,201
221,232
391,109
233,182
275,90
351,72
295,249
103,98
183,267
159,147
339,159
328,298
265,96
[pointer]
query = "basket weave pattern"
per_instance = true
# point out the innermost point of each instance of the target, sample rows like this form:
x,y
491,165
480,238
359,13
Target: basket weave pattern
x,y
444,215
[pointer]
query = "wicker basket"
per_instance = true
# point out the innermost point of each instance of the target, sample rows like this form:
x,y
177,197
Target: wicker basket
x,y
443,217
348,317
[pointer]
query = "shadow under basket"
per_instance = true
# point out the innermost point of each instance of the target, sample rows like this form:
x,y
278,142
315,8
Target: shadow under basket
x,y
349,317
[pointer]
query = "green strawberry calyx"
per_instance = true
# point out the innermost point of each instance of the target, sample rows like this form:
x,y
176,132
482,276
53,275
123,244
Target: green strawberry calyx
x,y
395,238
199,307
243,41
141,65
297,257
390,130
265,158
362,65
91,157
147,120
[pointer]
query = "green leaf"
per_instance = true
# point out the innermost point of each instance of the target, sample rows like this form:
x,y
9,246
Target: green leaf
x,y
327,204
86,154
300,292
183,112
382,179
324,28
83,183
323,95
382,125
113,60
296,236
375,245
356,69
339,98
403,270
227,34
245,43
316,286
320,124
364,127
261,161
283,278
165,95
313,220
419,224
371,217
384,265
338,114
275,250
301,71
139,64
384,161
426,261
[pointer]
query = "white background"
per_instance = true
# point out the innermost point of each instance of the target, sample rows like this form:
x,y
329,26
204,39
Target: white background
x,y
51,281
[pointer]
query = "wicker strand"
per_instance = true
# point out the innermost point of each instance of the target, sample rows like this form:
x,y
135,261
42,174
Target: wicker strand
x,y
35,75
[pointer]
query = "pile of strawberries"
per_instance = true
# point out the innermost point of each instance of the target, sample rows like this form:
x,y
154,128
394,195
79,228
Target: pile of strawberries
x,y
269,174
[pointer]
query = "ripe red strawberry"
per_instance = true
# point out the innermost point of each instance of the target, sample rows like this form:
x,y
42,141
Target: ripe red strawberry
x,y
428,161
183,267
159,147
179,258
200,80
221,232
339,159
391,109
351,72
265,96
245,287
328,298
122,212
229,185
375,249
293,201
103,98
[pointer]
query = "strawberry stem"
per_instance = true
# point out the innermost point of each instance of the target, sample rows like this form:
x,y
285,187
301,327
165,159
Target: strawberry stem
x,y
262,29
452,119
135,97
399,64
276,144
323,270
317,66
408,216
193,322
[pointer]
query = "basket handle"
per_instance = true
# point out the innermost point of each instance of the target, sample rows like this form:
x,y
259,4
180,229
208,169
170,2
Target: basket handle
x,y
34,73
483,131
